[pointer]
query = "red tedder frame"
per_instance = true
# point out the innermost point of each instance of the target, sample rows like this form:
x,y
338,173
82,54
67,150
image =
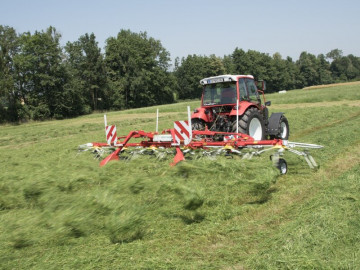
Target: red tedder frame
x,y
239,140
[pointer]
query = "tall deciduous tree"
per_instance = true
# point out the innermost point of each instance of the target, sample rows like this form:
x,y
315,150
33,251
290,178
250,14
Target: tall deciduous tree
x,y
323,70
345,68
137,69
307,64
10,108
87,69
39,73
192,70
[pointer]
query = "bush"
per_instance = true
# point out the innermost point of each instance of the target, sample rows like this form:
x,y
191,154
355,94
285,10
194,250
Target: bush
x,y
41,112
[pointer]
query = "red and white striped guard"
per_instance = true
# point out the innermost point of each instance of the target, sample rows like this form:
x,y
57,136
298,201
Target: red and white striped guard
x,y
111,136
183,132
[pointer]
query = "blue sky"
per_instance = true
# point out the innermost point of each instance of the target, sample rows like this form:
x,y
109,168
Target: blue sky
x,y
199,26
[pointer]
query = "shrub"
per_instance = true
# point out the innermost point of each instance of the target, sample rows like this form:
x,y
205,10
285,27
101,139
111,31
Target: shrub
x,y
41,112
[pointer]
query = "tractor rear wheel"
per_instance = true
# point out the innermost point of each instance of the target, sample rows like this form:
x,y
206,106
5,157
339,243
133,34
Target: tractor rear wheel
x,y
251,123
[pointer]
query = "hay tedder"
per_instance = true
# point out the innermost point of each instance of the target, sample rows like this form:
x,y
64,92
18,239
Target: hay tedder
x,y
232,120
184,142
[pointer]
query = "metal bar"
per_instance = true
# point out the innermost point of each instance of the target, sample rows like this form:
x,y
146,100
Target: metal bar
x,y
303,145
157,120
189,122
237,117
309,162
312,161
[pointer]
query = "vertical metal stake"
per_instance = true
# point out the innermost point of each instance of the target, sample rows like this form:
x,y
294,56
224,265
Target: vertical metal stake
x,y
105,122
237,118
157,120
189,121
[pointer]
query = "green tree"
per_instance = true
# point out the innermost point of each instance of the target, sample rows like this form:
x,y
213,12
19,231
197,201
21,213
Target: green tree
x,y
87,70
323,71
193,68
307,64
355,62
281,76
334,54
137,68
345,68
10,99
260,65
252,62
229,64
39,73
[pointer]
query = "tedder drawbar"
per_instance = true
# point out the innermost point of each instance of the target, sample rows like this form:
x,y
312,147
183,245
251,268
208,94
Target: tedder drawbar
x,y
182,141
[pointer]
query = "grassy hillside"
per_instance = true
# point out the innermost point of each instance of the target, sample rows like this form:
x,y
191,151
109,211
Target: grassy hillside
x,y
59,210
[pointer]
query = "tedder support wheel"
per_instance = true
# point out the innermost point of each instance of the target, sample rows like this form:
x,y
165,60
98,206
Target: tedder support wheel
x,y
282,166
251,123
284,130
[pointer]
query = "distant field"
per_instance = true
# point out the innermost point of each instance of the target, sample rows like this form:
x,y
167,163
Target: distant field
x,y
59,210
332,85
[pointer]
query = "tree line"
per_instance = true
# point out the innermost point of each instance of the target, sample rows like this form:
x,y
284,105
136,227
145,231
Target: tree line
x,y
40,79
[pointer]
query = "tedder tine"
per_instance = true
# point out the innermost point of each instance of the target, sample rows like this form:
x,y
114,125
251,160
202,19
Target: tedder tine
x,y
113,156
178,157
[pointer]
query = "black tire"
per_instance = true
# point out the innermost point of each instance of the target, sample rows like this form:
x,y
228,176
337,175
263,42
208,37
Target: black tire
x,y
282,166
197,124
284,131
251,123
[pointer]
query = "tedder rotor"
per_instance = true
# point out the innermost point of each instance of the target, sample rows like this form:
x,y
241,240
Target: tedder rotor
x,y
183,141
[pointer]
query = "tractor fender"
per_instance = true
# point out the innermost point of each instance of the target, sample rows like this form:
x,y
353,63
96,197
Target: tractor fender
x,y
203,114
274,123
243,107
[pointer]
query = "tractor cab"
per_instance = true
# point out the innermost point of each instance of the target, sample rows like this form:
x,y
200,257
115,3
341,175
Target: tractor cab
x,y
226,89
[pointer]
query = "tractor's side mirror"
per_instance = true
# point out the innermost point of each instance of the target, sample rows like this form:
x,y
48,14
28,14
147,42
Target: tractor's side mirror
x,y
268,103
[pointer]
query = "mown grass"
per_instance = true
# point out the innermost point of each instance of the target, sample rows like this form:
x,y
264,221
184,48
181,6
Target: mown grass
x,y
60,210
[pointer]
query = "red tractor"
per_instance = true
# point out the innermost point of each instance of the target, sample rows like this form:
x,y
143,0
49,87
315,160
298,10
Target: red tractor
x,y
219,111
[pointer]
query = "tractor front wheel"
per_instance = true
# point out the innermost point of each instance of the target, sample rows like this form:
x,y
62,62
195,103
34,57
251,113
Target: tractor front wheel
x,y
197,124
251,123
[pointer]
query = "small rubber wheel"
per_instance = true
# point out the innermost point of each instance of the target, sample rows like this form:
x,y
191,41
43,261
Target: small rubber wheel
x,y
282,166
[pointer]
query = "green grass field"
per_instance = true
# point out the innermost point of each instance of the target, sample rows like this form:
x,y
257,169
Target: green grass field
x,y
60,210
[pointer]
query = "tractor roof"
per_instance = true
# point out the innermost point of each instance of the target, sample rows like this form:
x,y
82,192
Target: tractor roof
x,y
224,78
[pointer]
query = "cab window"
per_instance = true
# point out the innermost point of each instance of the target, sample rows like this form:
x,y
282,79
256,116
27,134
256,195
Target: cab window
x,y
252,90
219,94
242,88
